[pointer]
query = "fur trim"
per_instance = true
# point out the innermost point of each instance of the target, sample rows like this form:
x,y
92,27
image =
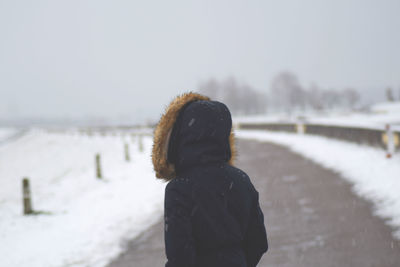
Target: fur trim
x,y
232,146
164,169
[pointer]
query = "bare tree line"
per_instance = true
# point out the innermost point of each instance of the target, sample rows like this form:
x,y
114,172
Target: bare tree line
x,y
241,98
390,95
285,94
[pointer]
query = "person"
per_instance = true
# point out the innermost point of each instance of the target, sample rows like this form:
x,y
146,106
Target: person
x,y
212,215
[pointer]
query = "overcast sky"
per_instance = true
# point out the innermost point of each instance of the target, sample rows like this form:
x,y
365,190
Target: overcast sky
x,y
129,58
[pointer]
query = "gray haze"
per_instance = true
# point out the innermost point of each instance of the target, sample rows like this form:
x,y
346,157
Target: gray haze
x,y
127,59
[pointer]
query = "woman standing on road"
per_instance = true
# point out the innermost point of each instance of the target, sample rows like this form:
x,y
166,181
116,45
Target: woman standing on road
x,y
212,215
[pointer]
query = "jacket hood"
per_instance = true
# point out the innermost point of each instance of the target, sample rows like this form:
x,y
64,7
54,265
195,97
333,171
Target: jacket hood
x,y
193,130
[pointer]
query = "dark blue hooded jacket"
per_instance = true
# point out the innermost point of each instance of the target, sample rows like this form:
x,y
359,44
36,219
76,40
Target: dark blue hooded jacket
x,y
212,213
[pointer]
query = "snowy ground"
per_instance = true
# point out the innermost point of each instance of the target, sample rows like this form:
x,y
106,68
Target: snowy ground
x,y
5,133
380,115
89,217
373,175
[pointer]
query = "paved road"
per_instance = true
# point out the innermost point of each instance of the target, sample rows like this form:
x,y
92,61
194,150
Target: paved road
x,y
313,218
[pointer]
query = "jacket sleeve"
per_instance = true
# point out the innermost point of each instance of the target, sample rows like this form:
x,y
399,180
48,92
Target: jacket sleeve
x,y
256,243
179,244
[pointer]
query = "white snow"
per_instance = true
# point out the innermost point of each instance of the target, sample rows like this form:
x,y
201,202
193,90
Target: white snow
x,y
6,133
382,114
386,107
374,177
369,121
89,217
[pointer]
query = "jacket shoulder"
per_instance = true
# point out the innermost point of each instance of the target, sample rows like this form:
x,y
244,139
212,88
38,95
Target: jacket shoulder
x,y
240,176
179,185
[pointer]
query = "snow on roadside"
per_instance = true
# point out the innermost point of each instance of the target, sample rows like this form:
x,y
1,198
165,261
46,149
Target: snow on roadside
x,y
89,216
387,107
374,177
384,113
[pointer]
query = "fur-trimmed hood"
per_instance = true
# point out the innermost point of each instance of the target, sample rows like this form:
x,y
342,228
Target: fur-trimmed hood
x,y
208,138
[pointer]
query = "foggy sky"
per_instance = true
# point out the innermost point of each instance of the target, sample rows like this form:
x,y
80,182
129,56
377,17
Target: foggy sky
x,y
127,59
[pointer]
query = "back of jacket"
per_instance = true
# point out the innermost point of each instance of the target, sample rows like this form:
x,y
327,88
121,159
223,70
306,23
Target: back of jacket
x,y
212,213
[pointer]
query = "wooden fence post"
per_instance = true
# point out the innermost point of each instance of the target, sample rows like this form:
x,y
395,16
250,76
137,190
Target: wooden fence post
x,y
26,191
390,146
127,156
140,143
300,128
98,167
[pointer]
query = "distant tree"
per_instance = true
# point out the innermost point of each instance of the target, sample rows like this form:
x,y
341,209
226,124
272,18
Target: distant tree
x,y
231,94
286,92
240,98
350,97
330,98
389,94
210,88
399,95
314,98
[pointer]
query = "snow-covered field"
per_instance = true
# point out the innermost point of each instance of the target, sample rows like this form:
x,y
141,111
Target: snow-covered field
x,y
374,177
5,133
89,217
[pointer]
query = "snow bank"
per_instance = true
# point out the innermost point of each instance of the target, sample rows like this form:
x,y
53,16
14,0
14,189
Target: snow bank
x,y
89,217
375,121
374,177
